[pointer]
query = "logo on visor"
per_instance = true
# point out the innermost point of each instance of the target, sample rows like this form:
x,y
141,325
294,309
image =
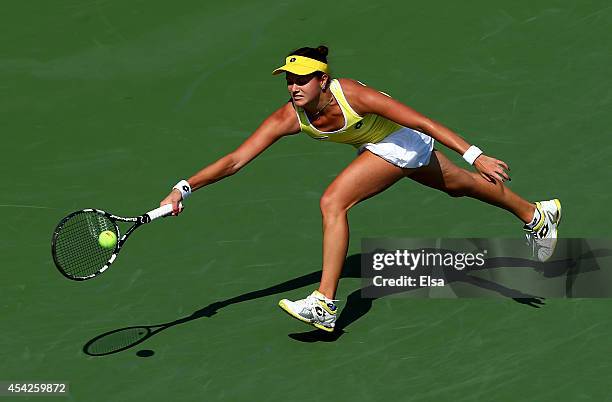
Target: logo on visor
x,y
291,60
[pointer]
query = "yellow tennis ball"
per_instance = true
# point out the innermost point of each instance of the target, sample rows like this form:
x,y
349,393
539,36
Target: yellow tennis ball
x,y
107,239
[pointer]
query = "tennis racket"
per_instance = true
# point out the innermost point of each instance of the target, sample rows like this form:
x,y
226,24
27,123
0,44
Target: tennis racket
x,y
75,248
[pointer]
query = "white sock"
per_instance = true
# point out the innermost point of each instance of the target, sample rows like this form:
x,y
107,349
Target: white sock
x,y
325,299
536,218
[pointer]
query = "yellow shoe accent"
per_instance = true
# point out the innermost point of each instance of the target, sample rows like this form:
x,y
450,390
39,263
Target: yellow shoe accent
x,y
540,223
323,327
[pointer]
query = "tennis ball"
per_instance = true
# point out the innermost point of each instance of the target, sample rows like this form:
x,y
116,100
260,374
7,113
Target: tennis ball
x,y
107,239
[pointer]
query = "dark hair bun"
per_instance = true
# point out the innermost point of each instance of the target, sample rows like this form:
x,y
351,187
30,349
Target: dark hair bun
x,y
319,53
323,50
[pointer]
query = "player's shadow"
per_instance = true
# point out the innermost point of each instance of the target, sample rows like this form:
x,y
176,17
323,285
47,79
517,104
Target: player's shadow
x,y
357,306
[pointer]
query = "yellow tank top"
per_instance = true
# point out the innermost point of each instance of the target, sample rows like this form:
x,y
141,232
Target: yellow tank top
x,y
357,130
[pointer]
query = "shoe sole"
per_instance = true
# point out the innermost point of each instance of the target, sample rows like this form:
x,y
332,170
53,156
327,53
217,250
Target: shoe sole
x,y
557,222
558,204
286,309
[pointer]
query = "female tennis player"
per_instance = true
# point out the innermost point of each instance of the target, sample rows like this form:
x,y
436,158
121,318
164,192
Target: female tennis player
x,y
393,141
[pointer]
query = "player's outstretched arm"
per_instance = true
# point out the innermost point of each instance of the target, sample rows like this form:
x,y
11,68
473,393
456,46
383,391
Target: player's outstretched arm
x,y
367,100
281,123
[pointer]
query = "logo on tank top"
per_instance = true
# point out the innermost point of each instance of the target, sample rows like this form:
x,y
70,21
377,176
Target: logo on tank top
x,y
358,125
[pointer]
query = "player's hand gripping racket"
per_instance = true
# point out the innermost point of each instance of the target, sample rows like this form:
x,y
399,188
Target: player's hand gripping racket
x,y
75,245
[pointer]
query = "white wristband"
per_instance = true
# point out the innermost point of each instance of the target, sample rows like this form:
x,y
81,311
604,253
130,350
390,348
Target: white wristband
x,y
184,188
471,154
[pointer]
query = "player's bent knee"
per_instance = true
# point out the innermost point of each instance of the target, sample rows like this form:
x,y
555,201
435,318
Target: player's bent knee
x,y
332,205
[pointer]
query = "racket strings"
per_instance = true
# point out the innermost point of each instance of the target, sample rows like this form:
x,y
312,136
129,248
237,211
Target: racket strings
x,y
77,250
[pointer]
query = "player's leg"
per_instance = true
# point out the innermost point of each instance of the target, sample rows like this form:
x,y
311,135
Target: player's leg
x,y
444,175
541,218
365,177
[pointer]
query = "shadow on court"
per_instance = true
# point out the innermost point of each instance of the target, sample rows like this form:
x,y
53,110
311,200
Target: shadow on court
x,y
356,306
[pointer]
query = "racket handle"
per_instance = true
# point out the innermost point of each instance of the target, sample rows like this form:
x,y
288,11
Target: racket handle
x,y
164,210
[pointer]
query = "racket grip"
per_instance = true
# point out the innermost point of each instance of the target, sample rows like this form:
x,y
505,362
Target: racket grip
x,y
164,210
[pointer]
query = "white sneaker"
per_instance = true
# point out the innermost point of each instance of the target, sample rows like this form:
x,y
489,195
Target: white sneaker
x,y
316,310
543,236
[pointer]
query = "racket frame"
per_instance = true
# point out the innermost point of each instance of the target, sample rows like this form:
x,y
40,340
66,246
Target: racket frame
x,y
138,221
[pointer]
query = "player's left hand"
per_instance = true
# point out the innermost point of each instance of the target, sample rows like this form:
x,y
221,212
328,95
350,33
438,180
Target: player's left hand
x,y
492,169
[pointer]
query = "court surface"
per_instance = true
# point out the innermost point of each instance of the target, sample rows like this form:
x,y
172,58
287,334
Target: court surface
x,y
108,103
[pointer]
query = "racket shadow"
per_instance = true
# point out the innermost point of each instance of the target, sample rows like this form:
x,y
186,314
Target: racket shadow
x,y
122,339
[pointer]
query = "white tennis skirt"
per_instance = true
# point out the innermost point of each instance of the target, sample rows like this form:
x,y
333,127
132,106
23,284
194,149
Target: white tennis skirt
x,y
406,148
